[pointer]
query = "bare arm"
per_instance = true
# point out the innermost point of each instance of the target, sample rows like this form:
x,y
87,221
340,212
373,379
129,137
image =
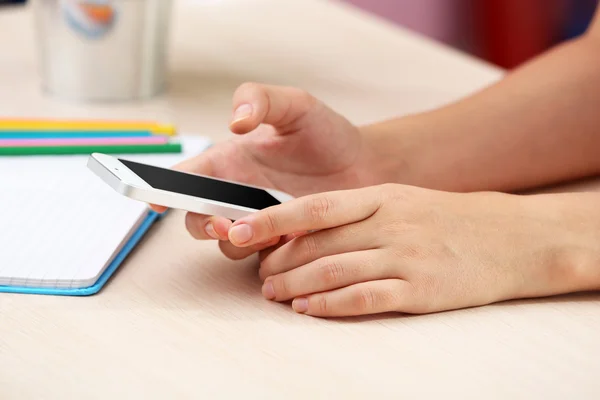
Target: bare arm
x,y
539,125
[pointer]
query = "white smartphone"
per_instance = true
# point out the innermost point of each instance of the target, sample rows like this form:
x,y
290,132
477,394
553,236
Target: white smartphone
x,y
174,189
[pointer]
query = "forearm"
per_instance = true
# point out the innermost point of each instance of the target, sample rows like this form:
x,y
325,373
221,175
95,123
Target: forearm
x,y
539,125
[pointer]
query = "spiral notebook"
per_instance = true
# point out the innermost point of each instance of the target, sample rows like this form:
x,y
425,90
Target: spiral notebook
x,y
62,230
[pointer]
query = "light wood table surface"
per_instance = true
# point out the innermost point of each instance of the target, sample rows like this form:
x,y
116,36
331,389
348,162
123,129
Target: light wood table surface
x,y
180,321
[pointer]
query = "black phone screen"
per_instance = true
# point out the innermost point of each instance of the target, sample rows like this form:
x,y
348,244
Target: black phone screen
x,y
198,186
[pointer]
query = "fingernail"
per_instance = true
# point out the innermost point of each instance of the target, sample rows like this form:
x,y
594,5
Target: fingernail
x,y
268,290
300,305
242,112
210,230
240,234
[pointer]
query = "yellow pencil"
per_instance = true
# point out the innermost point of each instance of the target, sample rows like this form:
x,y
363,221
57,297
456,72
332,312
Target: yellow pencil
x,y
92,125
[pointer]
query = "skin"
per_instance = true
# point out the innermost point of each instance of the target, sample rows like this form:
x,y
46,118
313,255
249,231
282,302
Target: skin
x,y
406,215
433,251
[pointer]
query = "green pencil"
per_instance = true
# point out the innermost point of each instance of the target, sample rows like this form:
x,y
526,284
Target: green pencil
x,y
107,149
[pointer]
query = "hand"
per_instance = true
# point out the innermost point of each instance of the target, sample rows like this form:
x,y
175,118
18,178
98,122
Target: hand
x,y
291,142
412,250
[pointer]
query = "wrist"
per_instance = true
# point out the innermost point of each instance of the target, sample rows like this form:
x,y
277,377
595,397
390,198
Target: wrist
x,y
413,150
390,151
571,256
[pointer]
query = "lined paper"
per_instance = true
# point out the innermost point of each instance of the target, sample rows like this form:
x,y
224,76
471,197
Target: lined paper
x,y
60,225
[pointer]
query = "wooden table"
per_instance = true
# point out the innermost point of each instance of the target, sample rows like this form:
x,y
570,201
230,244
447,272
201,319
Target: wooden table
x,y
180,321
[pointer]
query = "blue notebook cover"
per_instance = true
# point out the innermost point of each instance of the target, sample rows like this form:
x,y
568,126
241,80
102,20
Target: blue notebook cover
x,y
193,146
116,262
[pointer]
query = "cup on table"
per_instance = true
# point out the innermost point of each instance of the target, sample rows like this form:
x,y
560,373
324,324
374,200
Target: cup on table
x,y
102,50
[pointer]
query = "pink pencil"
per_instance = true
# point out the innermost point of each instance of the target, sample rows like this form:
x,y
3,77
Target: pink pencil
x,y
83,141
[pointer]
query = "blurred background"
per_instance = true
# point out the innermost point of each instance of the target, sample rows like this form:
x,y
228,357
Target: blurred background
x,y
503,32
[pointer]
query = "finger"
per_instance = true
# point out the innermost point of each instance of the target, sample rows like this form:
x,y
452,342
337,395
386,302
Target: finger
x,y
284,239
158,209
307,248
315,212
328,273
203,227
200,164
239,253
361,299
256,104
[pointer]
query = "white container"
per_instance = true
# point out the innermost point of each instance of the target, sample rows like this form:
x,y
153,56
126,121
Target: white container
x,y
102,50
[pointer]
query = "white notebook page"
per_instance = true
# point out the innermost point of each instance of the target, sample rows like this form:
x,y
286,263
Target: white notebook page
x,y
60,225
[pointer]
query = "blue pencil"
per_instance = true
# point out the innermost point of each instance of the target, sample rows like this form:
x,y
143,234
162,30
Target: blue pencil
x,y
56,134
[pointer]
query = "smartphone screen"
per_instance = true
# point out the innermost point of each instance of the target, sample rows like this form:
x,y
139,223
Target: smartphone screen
x,y
198,186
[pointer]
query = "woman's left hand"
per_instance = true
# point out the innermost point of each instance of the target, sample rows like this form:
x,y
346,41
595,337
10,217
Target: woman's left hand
x,y
406,249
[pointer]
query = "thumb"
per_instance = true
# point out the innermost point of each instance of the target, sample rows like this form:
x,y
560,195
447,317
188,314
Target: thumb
x,y
279,106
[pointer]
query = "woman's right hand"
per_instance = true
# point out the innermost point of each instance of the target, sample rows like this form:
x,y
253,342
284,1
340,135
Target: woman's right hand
x,y
288,141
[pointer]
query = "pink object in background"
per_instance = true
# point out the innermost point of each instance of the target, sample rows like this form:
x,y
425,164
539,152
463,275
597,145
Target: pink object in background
x,y
437,19
82,141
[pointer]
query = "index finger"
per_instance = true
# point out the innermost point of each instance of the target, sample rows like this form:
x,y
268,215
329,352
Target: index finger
x,y
268,104
314,212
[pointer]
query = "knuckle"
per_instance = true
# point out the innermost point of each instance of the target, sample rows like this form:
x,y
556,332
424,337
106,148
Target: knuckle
x,y
426,291
311,247
318,208
412,252
432,287
331,272
281,287
393,192
322,305
365,300
386,189
271,222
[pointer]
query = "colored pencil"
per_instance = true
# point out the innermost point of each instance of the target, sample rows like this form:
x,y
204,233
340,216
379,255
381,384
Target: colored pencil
x,y
58,124
62,134
82,142
75,150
